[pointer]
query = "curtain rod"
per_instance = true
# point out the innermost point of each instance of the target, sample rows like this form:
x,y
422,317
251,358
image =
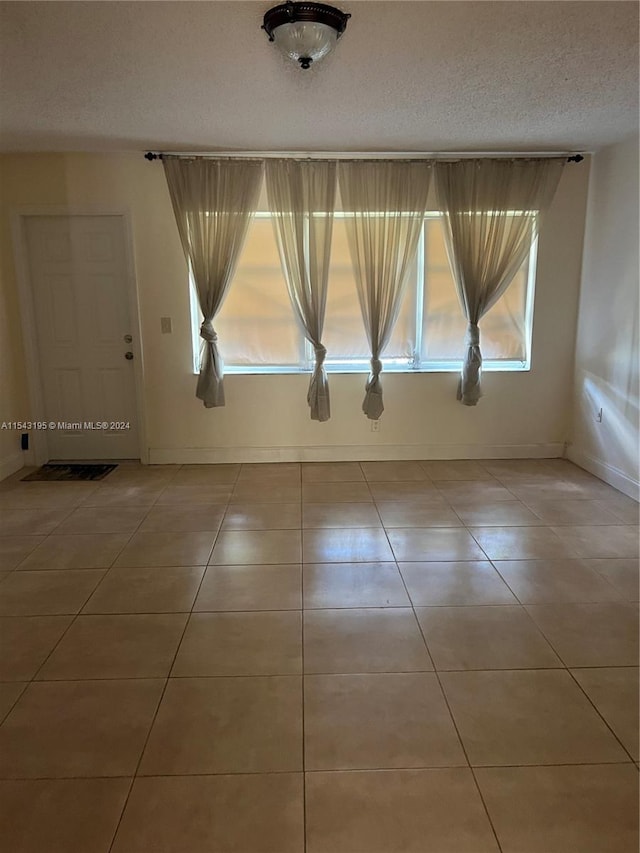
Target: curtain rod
x,y
369,155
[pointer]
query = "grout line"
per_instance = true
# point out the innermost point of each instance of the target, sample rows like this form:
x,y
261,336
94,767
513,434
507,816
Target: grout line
x,y
153,719
453,721
304,745
430,767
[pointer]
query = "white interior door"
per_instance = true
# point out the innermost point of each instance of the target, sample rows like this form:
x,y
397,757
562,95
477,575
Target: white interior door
x,y
78,274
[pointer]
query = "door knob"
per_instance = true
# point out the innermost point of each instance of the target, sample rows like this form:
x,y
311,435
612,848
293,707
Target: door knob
x,y
128,355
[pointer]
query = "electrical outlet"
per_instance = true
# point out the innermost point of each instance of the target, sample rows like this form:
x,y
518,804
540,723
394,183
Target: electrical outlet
x,y
599,416
165,325
375,426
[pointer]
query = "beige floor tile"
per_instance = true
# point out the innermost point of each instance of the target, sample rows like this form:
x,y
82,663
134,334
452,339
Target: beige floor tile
x,y
25,643
260,587
262,517
265,493
141,646
527,717
251,547
497,514
318,493
456,469
623,573
331,472
78,728
435,543
372,640
602,634
227,725
134,473
45,495
217,814
588,809
625,509
10,692
409,514
30,522
548,490
417,491
13,549
183,518
103,519
391,720
340,515
614,692
455,583
389,472
521,543
573,512
159,590
601,541
268,643
81,551
167,549
337,585
212,494
468,491
484,637
134,496
271,473
396,811
206,475
554,581
70,815
350,545
47,593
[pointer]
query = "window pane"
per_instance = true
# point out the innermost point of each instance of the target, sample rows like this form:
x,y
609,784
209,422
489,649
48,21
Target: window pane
x,y
344,335
502,329
256,324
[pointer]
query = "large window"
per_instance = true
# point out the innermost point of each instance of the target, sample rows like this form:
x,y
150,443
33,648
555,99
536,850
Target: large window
x,y
259,334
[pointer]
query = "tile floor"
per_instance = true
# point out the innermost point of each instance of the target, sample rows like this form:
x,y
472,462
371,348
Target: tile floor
x,y
426,657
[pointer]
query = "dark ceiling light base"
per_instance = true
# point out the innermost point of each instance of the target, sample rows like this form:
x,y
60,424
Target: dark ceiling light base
x,y
305,32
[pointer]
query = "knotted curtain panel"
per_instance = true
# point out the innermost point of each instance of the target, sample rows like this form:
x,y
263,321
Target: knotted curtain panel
x,y
384,202
213,202
492,212
302,200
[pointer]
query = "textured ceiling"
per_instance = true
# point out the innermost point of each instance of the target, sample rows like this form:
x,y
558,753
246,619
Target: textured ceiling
x,y
428,76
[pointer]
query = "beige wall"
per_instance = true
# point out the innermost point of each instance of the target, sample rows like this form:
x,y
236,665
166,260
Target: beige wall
x,y
606,374
266,417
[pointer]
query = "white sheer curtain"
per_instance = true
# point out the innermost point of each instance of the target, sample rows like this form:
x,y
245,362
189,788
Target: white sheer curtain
x,y
213,201
302,200
385,203
493,210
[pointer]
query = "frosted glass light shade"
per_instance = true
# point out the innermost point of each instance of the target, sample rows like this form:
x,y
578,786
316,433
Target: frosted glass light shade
x,y
304,32
305,42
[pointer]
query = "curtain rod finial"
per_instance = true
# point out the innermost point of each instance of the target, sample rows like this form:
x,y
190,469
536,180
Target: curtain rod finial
x,y
576,158
151,156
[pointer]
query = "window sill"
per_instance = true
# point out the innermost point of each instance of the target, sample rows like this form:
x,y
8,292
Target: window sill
x,y
445,367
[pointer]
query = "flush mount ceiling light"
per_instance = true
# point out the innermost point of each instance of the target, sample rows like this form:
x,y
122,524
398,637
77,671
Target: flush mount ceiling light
x,y
305,32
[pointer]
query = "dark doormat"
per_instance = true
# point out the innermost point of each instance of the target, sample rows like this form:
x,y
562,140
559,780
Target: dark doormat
x,y
70,472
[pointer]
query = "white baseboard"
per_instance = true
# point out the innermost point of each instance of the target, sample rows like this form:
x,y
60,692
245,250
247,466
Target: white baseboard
x,y
609,473
351,453
10,464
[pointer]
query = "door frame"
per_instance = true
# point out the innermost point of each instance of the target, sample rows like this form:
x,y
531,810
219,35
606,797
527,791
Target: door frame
x,y
19,216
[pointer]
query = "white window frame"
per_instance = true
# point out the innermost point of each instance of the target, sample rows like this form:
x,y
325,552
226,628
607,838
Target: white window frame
x,y
390,365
